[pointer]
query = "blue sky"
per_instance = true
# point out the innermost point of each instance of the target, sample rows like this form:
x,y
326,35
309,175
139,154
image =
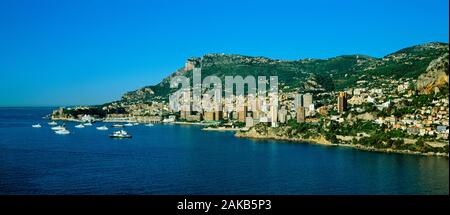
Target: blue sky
x,y
91,52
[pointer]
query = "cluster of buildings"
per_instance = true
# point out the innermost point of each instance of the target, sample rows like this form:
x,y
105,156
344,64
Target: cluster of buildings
x,y
384,94
430,120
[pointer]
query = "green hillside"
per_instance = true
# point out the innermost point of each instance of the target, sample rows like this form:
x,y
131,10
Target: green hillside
x,y
306,74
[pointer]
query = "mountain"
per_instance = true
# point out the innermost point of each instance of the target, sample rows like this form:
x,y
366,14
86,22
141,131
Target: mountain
x,y
306,74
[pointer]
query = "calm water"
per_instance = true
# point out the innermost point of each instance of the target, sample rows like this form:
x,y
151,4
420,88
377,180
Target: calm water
x,y
173,159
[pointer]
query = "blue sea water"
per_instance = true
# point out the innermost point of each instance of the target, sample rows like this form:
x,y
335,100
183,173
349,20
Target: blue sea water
x,y
175,159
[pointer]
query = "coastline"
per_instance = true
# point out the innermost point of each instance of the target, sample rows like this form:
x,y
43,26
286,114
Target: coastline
x,y
221,129
251,134
192,123
322,141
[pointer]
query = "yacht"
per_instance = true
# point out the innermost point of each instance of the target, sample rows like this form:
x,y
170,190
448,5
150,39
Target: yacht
x,y
36,126
120,134
135,123
52,123
129,124
149,124
79,126
102,128
118,125
62,131
87,124
57,128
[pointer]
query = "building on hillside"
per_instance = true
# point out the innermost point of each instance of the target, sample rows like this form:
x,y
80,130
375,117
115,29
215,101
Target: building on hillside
x,y
342,102
300,114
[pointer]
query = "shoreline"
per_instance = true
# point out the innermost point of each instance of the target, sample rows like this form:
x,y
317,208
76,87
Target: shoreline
x,y
319,141
221,129
192,123
323,142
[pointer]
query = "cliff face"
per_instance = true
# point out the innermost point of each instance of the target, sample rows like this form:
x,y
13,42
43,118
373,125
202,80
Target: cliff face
x,y
436,76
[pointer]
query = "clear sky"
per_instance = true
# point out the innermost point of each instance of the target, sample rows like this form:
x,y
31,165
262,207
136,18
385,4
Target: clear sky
x,y
91,52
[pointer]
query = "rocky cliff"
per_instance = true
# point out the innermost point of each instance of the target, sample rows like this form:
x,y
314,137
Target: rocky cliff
x,y
436,76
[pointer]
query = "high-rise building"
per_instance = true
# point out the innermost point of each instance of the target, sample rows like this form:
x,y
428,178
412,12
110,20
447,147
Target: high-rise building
x,y
298,102
208,115
300,114
218,115
307,100
342,102
249,122
282,114
242,114
274,115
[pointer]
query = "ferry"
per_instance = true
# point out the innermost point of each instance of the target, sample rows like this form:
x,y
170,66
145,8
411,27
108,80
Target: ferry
x,y
120,134
79,126
102,128
36,126
52,123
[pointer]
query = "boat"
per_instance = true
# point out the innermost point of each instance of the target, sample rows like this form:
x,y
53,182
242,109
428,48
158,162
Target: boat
x,y
57,128
135,123
87,124
102,128
52,123
149,124
36,126
62,131
120,134
129,124
79,126
118,125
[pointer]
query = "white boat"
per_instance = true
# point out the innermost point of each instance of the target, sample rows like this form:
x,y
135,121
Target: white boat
x,y
87,124
62,131
36,126
118,125
120,134
129,124
102,128
52,123
149,124
135,123
57,128
79,126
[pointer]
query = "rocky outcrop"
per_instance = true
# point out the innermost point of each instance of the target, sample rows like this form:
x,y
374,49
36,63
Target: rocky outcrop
x,y
435,77
280,134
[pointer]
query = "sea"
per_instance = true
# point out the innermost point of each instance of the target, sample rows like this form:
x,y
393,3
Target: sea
x,y
182,159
